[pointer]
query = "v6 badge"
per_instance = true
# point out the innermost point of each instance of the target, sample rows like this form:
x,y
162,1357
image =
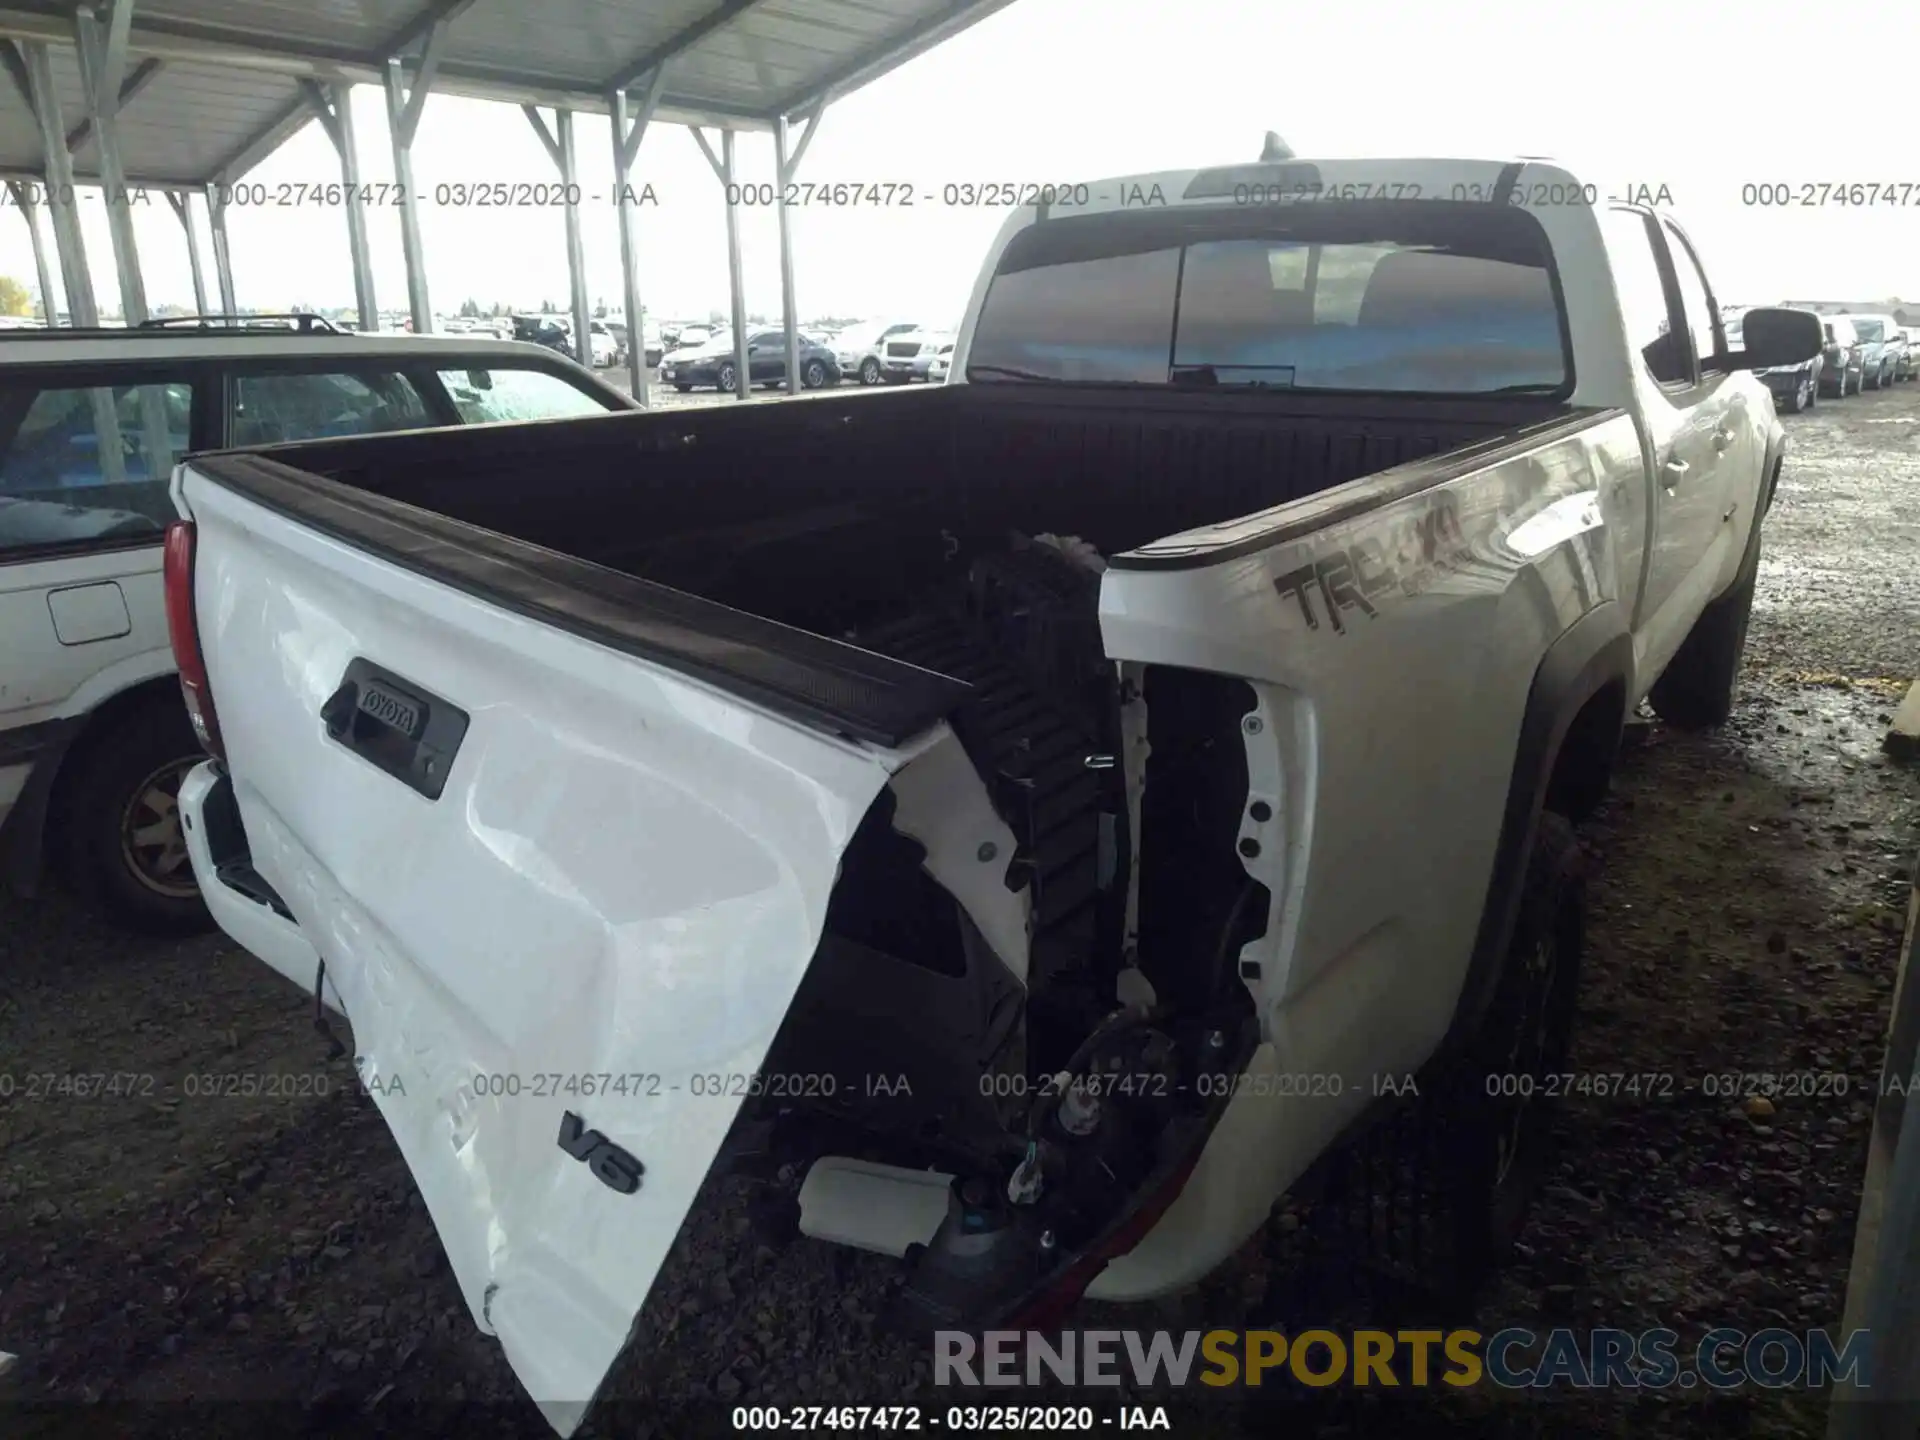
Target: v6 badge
x,y
614,1167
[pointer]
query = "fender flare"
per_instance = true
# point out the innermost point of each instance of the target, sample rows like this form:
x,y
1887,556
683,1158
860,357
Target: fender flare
x,y
1595,651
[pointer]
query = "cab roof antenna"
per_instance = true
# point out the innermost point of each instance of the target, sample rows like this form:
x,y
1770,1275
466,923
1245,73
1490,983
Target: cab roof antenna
x,y
1276,148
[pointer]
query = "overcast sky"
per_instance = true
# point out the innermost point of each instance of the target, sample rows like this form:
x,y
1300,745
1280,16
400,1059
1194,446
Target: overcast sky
x,y
1689,95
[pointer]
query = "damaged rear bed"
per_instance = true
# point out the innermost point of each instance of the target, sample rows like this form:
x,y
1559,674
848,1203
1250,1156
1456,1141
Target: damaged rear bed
x,y
1024,1008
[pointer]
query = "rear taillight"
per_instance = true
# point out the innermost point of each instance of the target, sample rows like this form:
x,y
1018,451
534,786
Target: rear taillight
x,y
1047,1308
185,634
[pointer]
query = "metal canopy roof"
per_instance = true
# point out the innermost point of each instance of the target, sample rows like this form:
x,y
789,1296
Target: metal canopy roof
x,y
212,87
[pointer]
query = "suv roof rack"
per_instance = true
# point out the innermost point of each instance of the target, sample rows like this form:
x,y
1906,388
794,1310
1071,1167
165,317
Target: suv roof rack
x,y
302,321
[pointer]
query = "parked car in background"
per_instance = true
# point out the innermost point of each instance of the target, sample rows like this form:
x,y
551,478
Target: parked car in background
x,y
692,337
1795,387
544,330
1899,352
1841,369
1909,354
940,365
94,739
713,364
602,348
1880,345
858,351
909,356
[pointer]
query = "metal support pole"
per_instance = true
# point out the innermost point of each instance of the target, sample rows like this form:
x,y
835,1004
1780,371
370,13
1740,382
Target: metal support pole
x,y
182,203
723,166
334,107
22,192
626,145
222,251
560,150
786,167
404,105
788,320
67,241
103,61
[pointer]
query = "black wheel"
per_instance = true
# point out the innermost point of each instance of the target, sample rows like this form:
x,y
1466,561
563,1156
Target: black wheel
x,y
869,371
813,374
121,842
682,386
1880,377
1813,396
1433,1196
1526,1035
1695,692
724,380
1802,396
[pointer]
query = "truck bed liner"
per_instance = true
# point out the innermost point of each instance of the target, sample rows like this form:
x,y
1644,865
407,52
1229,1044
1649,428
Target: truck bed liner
x,y
731,544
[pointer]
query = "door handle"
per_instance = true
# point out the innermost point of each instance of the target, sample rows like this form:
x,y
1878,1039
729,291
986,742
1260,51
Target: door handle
x,y
1672,473
1721,440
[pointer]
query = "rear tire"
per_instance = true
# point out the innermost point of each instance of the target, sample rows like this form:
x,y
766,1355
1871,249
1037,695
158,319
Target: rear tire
x,y
1801,397
1696,690
1527,1033
1432,1198
120,843
869,371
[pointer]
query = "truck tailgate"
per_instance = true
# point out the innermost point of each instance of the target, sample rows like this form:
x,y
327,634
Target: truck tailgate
x,y
564,893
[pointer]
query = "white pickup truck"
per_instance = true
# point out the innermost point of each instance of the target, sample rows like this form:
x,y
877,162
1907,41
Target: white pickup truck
x,y
1053,807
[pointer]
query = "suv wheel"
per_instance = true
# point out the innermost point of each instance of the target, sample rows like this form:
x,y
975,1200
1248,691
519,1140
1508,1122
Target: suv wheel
x,y
122,843
1802,396
870,371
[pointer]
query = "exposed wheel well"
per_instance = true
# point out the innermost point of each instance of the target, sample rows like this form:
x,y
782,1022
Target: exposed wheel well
x,y
1583,767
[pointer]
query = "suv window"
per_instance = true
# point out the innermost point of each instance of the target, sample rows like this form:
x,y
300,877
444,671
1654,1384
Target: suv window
x,y
89,463
1651,328
1695,298
483,396
1364,296
269,408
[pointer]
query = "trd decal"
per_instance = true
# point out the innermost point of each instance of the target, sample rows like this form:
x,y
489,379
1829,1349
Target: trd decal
x,y
614,1167
1408,557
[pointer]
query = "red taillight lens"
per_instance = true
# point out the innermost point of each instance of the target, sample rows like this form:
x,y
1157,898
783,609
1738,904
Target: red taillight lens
x,y
185,634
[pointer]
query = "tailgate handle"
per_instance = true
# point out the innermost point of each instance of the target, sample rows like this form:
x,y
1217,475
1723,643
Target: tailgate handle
x,y
396,726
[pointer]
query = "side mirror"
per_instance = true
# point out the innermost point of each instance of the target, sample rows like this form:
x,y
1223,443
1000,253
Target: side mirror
x,y
1778,337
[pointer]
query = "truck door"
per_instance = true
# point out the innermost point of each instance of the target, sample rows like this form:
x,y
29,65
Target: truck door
x,y
1685,414
1738,434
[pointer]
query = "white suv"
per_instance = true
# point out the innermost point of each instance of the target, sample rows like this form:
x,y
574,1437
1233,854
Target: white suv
x,y
859,350
94,738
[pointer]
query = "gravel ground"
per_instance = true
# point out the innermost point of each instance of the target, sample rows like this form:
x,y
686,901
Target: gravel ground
x,y
165,1243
